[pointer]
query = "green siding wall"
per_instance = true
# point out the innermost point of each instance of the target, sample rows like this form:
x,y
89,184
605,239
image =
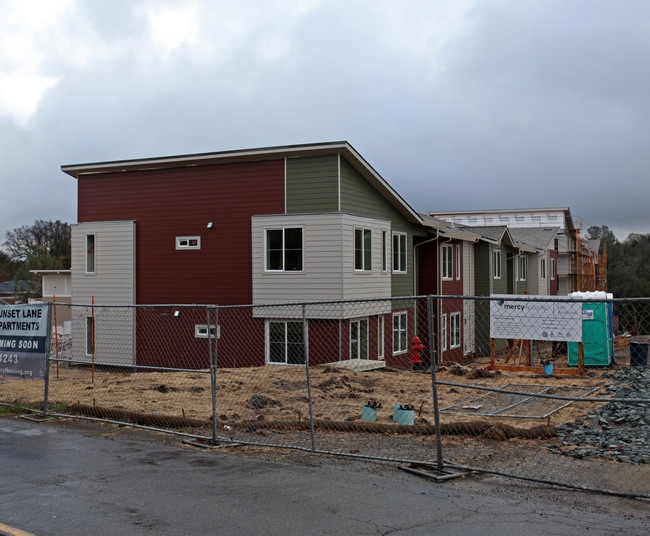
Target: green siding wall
x,y
359,197
312,184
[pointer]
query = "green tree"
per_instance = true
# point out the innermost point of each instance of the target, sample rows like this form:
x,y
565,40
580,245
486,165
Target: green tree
x,y
628,267
27,284
601,232
7,267
53,236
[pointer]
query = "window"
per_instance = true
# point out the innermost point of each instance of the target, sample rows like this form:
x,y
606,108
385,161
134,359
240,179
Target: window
x,y
399,252
285,344
363,249
521,267
552,268
384,251
443,333
542,268
188,242
284,249
201,331
90,254
380,337
496,264
359,339
447,262
454,330
90,335
399,332
457,262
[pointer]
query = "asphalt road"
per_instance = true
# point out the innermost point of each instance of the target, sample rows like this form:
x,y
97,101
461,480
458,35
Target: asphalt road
x,y
71,478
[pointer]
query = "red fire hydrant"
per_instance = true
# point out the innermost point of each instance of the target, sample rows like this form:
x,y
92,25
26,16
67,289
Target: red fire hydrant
x,y
416,362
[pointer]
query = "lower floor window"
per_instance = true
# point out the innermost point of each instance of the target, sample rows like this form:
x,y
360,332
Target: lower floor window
x,y
359,339
90,335
399,332
454,330
285,343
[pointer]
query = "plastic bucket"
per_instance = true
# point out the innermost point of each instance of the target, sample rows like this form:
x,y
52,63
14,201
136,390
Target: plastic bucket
x,y
548,369
638,354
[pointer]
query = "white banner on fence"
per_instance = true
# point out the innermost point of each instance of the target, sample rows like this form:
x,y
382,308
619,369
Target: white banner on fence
x,y
557,320
23,340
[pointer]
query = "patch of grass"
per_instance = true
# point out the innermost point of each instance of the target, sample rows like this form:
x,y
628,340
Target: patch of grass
x,y
13,409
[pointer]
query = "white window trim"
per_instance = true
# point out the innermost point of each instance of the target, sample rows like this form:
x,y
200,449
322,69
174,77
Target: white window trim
x,y
496,253
180,239
400,314
359,320
453,316
267,348
380,336
458,263
553,268
94,235
522,266
400,238
447,276
385,261
302,249
542,268
443,332
363,269
201,331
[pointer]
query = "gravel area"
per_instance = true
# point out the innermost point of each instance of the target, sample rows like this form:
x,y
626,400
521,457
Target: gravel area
x,y
616,431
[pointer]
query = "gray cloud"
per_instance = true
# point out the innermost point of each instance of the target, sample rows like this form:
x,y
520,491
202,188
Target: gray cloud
x,y
495,105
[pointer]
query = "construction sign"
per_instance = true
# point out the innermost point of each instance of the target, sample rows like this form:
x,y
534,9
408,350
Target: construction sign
x,y
559,319
23,340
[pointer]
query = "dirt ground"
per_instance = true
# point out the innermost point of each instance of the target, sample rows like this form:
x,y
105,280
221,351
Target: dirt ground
x,y
279,393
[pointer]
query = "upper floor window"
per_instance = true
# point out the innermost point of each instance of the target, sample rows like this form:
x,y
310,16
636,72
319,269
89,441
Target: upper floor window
x,y
447,262
522,266
399,252
363,249
496,264
384,251
284,249
188,242
542,268
90,253
458,262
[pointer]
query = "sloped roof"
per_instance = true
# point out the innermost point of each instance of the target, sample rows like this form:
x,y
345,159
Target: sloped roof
x,y
250,155
538,237
449,230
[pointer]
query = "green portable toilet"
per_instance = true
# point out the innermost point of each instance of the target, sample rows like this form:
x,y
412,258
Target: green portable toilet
x,y
597,331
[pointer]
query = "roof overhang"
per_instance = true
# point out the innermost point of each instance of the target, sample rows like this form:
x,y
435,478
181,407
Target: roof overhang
x,y
51,272
250,155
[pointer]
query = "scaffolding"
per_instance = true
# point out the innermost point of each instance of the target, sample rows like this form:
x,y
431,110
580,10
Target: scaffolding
x,y
588,270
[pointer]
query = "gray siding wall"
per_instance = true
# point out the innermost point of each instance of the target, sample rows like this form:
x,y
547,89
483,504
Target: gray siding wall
x,y
328,265
533,274
112,283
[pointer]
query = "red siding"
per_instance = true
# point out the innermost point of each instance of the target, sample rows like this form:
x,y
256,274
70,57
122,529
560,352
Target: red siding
x,y
167,203
553,282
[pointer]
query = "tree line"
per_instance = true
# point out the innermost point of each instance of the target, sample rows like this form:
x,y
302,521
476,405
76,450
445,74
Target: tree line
x,y
44,245
628,262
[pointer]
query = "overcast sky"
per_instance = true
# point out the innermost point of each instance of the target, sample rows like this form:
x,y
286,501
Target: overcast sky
x,y
458,104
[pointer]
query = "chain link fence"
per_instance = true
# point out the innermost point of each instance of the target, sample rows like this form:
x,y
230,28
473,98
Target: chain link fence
x,y
550,390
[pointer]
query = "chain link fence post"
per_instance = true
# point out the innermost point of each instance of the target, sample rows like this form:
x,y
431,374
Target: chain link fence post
x,y
306,350
434,384
46,388
213,347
